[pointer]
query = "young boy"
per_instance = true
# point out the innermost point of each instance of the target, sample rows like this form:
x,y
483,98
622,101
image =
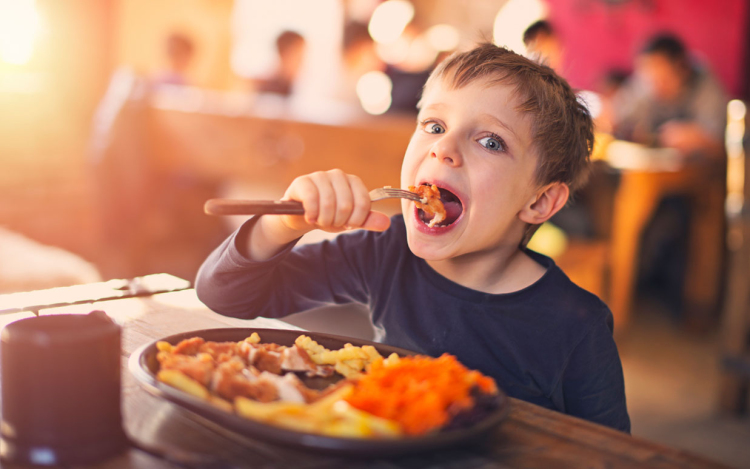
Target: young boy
x,y
505,140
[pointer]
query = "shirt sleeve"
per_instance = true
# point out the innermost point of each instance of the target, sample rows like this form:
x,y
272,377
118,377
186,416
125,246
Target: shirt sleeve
x,y
294,280
593,384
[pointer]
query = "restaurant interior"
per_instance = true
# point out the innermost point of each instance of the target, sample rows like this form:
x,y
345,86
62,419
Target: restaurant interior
x,y
119,119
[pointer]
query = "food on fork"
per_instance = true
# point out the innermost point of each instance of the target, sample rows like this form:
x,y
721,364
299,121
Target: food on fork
x,y
430,202
377,397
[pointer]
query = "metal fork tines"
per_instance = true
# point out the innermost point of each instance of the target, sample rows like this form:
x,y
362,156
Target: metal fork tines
x,y
390,193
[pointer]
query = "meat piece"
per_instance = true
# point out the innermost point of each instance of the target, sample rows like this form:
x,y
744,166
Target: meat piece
x,y
287,386
296,358
232,380
430,202
199,367
189,346
221,351
216,348
267,361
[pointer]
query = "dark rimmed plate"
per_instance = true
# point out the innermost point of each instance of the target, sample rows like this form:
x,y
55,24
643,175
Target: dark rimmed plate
x,y
143,365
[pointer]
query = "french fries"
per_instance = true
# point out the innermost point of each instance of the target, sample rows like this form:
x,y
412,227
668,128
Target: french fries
x,y
181,381
348,361
253,339
330,416
164,346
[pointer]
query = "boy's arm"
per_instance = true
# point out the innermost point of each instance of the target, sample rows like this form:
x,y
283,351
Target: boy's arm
x,y
333,201
291,281
593,384
253,273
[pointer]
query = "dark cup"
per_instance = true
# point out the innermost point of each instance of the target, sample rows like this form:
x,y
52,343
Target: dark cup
x,y
61,390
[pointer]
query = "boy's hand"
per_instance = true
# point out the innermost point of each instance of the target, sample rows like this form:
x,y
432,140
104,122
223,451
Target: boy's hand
x,y
333,201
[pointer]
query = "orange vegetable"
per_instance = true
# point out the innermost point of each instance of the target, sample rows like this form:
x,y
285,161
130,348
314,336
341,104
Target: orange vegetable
x,y
420,393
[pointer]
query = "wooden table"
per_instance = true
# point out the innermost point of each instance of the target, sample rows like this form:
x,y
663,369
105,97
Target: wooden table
x,y
531,437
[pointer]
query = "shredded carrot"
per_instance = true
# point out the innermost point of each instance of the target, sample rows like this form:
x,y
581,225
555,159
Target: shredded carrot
x,y
420,393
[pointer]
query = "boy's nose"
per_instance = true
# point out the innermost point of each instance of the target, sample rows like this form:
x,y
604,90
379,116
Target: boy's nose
x,y
446,152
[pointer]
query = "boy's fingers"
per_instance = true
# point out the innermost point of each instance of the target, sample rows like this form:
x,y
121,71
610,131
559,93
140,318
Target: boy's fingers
x,y
361,202
344,197
377,221
326,199
304,190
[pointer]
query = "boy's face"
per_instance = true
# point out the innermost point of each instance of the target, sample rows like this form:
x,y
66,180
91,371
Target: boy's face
x,y
473,143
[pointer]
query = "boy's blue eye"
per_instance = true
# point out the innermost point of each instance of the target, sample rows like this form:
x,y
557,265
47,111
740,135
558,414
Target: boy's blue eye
x,y
492,143
434,128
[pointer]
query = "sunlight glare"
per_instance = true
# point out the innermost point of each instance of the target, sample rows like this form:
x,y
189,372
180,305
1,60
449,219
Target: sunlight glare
x,y
19,23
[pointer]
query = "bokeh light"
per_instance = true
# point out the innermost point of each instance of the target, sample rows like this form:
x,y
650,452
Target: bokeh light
x,y
389,20
736,110
443,37
374,92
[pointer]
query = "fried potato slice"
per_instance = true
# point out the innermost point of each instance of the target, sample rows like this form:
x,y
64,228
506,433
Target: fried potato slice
x,y
222,404
163,346
184,383
348,361
253,339
330,415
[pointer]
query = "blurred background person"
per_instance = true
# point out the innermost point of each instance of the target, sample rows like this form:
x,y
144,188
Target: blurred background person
x,y
607,89
409,74
544,45
179,51
672,101
290,47
358,57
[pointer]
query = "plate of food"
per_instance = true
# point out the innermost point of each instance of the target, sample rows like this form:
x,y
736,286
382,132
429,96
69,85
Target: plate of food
x,y
320,392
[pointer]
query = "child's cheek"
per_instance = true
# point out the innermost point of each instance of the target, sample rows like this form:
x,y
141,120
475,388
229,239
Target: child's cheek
x,y
407,170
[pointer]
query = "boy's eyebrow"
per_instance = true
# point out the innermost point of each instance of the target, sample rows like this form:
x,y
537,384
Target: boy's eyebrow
x,y
503,125
432,106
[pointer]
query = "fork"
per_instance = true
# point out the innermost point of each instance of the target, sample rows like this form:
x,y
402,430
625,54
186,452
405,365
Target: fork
x,y
390,193
288,207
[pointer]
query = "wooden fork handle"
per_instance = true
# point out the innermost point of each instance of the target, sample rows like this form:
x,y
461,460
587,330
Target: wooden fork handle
x,y
253,207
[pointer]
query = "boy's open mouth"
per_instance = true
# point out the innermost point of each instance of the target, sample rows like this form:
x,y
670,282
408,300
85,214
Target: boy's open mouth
x,y
453,209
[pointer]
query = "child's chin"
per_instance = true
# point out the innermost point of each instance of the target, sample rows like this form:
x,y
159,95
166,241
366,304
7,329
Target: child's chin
x,y
425,246
426,251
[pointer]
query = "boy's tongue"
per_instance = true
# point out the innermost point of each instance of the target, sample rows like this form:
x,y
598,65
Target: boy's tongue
x,y
452,212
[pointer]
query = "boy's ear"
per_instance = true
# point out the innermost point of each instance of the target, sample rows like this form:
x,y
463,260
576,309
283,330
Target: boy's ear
x,y
545,204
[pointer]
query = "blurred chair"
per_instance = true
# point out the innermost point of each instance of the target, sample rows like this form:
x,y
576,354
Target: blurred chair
x,y
735,340
149,216
734,392
587,226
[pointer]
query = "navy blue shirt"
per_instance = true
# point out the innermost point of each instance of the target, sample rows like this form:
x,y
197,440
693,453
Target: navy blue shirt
x,y
550,343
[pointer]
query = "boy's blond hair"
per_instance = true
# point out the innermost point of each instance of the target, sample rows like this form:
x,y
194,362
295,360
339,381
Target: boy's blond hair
x,y
561,126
